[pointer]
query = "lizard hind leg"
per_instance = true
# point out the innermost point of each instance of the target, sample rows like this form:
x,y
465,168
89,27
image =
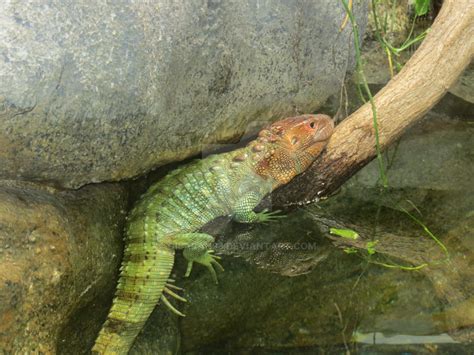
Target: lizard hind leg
x,y
197,250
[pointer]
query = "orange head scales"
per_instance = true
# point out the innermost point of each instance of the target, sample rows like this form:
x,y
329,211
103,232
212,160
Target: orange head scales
x,y
288,147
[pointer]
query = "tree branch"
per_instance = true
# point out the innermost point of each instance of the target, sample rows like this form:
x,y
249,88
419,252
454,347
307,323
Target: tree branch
x,y
435,66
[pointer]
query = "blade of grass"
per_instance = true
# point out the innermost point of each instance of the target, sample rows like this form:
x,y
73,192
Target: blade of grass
x,y
427,231
365,85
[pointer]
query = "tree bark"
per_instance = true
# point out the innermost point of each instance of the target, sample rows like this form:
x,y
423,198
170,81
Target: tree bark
x,y
444,54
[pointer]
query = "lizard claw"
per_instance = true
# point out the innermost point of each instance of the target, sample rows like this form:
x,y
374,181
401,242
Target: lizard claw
x,y
171,307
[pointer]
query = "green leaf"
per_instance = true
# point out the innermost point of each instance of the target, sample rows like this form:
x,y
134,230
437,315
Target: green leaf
x,y
344,233
371,247
421,7
350,250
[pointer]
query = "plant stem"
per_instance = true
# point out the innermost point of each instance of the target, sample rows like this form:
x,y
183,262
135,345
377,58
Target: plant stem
x,y
365,85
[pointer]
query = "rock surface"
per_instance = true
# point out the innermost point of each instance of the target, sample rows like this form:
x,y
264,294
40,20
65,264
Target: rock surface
x,y
92,92
59,255
425,154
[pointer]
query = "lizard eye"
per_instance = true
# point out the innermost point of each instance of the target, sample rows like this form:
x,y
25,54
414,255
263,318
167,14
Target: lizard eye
x,y
312,124
294,140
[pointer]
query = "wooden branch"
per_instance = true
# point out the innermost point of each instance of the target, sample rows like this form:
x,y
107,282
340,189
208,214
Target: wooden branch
x,y
444,54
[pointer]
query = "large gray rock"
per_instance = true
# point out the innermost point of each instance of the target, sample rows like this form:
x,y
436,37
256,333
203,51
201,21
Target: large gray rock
x,y
92,92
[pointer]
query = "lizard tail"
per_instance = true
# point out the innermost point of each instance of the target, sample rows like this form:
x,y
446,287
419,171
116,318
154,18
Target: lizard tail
x,y
145,270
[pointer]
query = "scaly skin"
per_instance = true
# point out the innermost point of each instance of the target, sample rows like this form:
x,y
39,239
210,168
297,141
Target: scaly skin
x,y
168,215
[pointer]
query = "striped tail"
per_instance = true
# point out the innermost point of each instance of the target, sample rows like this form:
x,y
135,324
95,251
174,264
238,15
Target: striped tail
x,y
145,270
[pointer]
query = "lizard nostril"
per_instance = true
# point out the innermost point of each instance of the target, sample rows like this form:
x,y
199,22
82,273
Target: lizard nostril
x,y
294,140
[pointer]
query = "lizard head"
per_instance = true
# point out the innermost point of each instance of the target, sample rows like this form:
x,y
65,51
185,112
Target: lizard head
x,y
290,146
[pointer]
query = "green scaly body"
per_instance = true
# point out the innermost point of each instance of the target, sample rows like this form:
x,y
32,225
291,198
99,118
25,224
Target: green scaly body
x,y
168,215
164,220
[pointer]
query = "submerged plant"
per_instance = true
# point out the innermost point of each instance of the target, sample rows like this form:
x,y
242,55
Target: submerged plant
x,y
369,250
344,233
421,8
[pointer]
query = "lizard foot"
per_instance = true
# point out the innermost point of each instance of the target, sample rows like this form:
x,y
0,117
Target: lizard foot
x,y
265,216
207,259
